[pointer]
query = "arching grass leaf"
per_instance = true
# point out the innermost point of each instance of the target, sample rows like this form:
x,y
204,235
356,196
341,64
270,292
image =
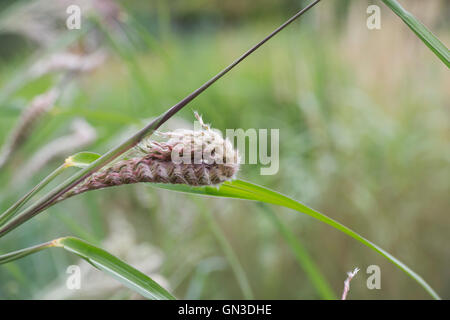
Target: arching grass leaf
x,y
104,261
245,190
431,41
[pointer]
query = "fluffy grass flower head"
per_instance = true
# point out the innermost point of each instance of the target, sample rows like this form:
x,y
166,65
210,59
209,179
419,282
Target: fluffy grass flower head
x,y
194,157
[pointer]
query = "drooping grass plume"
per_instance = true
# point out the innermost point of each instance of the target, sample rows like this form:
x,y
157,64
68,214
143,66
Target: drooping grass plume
x,y
68,63
82,134
191,157
39,106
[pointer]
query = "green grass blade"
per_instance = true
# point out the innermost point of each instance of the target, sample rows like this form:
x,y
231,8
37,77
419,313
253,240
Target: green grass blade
x,y
239,189
79,160
116,268
421,31
302,256
8,257
104,261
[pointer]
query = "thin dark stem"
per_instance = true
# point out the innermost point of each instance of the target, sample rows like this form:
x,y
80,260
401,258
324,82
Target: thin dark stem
x,y
81,175
206,85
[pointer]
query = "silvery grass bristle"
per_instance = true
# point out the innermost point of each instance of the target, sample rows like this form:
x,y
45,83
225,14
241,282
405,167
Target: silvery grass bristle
x,y
154,162
40,105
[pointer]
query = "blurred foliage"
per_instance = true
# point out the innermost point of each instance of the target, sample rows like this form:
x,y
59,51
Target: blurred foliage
x,y
364,129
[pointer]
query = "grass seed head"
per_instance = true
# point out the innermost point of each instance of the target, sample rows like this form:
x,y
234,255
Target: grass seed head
x,y
191,157
38,107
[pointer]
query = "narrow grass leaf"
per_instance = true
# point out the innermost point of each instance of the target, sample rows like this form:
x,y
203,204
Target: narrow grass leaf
x,y
102,260
239,189
432,42
8,257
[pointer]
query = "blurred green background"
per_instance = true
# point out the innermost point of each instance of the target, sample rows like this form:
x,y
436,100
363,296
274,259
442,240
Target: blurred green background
x,y
364,138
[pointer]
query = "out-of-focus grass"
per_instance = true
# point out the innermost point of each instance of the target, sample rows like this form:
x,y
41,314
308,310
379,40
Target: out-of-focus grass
x,y
364,131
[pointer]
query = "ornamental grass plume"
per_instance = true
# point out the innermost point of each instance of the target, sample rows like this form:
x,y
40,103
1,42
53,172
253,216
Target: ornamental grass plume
x,y
39,106
71,65
68,62
192,157
82,134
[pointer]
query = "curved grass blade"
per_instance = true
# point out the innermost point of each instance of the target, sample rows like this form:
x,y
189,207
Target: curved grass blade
x,y
8,257
122,272
431,41
102,260
239,189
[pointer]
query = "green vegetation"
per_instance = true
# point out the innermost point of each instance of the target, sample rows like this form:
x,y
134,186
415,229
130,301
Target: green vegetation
x,y
364,139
